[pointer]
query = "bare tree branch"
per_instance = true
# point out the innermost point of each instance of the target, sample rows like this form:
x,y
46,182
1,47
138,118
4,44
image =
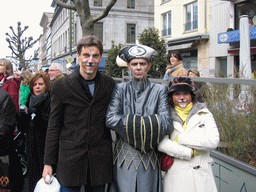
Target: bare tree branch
x,y
13,31
13,51
65,5
106,11
83,10
19,45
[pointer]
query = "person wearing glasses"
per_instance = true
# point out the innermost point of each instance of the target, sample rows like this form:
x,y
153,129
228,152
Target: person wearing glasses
x,y
55,72
139,114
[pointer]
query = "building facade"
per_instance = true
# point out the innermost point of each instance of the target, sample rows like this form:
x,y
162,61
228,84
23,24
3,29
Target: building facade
x,y
44,51
192,27
184,24
124,23
230,38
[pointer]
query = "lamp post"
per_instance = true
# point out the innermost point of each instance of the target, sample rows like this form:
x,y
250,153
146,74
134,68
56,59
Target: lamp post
x,y
245,70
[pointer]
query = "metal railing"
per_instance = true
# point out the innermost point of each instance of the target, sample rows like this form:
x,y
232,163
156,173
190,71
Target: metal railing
x,y
200,79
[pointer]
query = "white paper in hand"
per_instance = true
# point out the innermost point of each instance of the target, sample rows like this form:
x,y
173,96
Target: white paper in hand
x,y
41,186
48,179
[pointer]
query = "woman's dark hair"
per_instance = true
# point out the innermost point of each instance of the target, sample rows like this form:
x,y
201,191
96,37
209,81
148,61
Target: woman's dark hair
x,y
176,54
37,75
180,84
170,100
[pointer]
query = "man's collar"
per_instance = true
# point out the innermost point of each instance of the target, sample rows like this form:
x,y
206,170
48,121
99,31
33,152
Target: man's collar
x,y
57,78
78,75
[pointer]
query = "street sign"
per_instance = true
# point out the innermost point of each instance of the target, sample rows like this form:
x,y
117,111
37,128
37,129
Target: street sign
x,y
70,59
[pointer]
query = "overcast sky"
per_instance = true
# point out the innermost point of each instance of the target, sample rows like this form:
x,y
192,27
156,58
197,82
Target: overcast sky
x,y
29,13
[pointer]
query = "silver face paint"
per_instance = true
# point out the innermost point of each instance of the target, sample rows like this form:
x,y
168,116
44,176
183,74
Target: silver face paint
x,y
90,64
182,102
89,71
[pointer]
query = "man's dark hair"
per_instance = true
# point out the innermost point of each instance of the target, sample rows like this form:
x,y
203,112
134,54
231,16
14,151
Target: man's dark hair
x,y
89,41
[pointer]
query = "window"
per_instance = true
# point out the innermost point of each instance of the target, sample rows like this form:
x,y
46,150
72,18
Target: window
x,y
191,17
131,4
98,3
221,67
98,30
131,30
189,59
167,23
163,1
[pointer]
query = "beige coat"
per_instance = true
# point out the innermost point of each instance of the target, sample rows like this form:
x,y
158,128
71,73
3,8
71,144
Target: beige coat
x,y
179,70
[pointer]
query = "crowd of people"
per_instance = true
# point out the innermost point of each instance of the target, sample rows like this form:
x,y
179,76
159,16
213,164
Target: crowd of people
x,y
68,120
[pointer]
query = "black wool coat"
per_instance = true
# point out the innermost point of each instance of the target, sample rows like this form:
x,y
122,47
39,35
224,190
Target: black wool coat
x,y
77,138
34,124
7,146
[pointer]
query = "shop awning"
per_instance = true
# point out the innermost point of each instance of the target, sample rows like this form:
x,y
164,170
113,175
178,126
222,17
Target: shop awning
x,y
181,46
187,39
236,50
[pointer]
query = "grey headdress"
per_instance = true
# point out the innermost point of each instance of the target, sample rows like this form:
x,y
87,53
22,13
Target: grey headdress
x,y
137,51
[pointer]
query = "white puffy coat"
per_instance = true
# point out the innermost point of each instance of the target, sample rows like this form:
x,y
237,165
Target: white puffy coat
x,y
191,174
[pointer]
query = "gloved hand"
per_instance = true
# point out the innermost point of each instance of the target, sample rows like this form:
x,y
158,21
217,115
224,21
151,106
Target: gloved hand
x,y
176,139
196,152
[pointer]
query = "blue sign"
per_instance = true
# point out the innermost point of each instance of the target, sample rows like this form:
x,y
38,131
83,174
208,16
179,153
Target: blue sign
x,y
102,64
234,36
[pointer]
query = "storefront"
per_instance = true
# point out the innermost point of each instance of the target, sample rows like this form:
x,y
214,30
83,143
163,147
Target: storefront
x,y
233,36
189,47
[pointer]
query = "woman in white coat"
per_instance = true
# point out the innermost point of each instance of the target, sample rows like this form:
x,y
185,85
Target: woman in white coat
x,y
195,135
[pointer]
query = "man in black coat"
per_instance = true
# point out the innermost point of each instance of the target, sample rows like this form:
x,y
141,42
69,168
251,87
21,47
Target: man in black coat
x,y
77,140
10,178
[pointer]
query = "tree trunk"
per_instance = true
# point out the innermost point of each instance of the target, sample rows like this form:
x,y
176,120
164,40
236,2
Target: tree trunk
x,y
83,10
87,27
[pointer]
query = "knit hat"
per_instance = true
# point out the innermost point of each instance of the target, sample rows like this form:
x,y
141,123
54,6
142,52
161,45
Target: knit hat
x,y
181,84
137,51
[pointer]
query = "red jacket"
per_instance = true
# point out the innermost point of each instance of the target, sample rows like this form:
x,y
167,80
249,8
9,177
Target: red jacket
x,y
12,86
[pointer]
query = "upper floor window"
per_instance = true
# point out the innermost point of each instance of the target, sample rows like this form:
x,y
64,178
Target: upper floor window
x,y
98,3
98,30
131,31
167,23
131,4
191,17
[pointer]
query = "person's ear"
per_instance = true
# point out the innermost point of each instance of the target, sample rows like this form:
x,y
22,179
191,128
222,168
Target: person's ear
x,y
129,65
150,65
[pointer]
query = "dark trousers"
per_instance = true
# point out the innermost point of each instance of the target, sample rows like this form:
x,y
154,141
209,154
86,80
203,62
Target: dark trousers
x,y
87,188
